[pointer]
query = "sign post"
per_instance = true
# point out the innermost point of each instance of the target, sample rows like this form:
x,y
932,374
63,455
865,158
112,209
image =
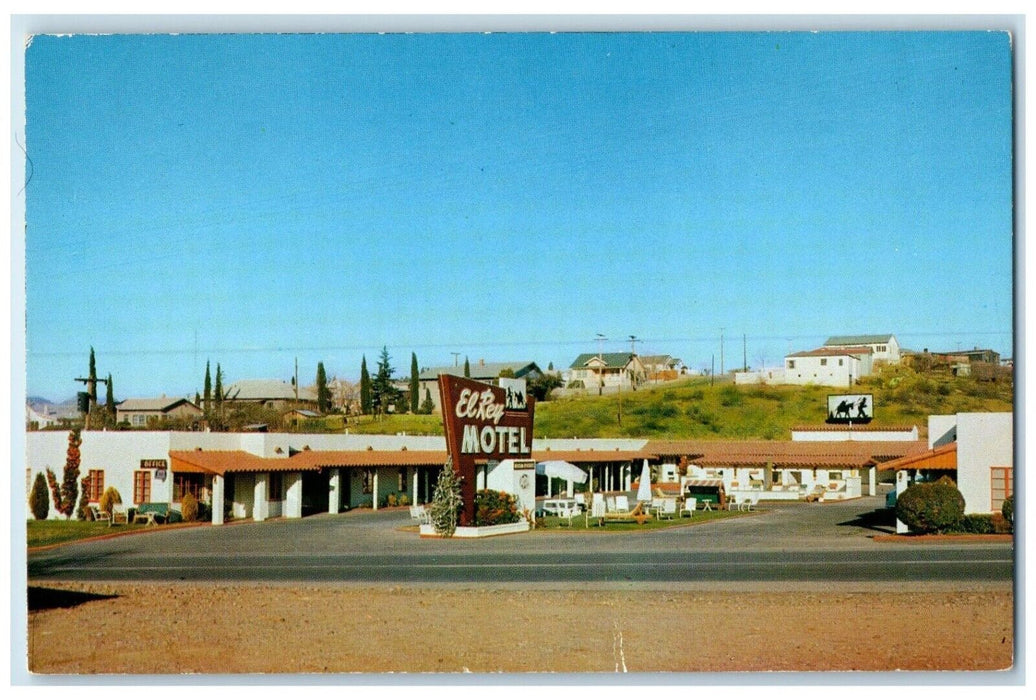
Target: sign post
x,y
482,423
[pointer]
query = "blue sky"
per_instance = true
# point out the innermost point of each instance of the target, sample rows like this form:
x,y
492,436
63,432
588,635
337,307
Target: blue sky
x,y
253,199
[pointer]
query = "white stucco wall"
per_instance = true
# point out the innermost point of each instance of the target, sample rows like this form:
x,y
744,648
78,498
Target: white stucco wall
x,y
809,370
984,440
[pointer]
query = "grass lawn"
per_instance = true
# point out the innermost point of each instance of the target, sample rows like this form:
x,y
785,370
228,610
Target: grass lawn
x,y
551,522
41,533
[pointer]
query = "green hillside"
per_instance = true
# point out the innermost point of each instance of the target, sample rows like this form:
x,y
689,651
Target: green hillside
x,y
695,409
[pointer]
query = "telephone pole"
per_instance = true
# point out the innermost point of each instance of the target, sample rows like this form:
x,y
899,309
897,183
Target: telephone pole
x,y
721,370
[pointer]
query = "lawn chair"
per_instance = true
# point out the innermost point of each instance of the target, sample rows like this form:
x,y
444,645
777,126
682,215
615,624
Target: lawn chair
x,y
98,515
610,504
622,503
748,502
732,503
119,513
668,509
597,510
689,506
420,515
580,501
567,512
656,505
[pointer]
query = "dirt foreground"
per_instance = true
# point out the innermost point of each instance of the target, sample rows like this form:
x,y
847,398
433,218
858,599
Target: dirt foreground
x,y
174,629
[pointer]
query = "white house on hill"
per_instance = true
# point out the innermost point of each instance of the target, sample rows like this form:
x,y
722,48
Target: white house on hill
x,y
884,348
838,367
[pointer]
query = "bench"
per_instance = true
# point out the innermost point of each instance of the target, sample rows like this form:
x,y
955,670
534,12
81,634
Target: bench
x,y
118,514
150,513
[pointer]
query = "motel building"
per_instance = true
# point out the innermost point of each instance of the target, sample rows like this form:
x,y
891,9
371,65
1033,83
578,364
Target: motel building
x,y
259,476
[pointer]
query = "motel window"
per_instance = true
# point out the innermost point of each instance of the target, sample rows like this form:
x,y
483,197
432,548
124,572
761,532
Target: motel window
x,y
1001,486
142,487
184,484
791,364
276,487
96,485
402,480
840,362
367,480
882,348
823,362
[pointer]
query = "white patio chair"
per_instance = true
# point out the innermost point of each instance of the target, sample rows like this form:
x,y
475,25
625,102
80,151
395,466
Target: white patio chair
x,y
622,503
597,510
580,501
610,504
567,512
732,503
689,505
668,509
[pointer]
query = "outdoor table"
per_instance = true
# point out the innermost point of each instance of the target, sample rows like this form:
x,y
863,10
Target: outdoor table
x,y
553,506
705,505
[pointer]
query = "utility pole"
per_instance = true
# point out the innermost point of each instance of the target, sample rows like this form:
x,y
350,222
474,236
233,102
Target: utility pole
x,y
721,370
91,389
456,356
744,352
600,370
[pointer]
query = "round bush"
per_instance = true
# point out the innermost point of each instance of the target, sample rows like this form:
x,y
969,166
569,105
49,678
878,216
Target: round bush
x,y
978,524
931,507
1007,509
495,508
108,498
189,508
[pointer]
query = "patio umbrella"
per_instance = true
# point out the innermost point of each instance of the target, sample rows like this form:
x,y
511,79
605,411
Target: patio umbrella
x,y
560,469
644,489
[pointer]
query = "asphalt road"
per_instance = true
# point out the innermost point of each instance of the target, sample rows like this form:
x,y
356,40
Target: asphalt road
x,y
793,543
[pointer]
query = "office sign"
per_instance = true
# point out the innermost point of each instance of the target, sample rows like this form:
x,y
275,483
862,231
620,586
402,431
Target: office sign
x,y
850,408
484,423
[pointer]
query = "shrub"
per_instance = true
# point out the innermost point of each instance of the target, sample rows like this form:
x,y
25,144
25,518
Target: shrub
x,y
977,524
108,498
189,508
390,500
39,497
1007,509
446,501
931,507
403,500
495,508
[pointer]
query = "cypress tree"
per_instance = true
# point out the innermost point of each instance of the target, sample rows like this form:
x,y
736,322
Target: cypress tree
x,y
38,501
207,396
218,391
467,367
415,384
92,383
323,393
109,400
366,400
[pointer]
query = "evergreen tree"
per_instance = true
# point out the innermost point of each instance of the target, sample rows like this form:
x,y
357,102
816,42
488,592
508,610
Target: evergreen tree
x,y
70,476
218,391
323,393
467,367
366,400
415,384
383,394
207,396
109,401
427,406
91,385
38,502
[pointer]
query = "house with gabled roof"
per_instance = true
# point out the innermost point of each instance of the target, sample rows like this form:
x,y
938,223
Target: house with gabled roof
x,y
139,413
884,348
608,369
270,393
834,366
482,371
662,367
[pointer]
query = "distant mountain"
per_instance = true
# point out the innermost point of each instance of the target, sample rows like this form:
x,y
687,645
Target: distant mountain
x,y
38,401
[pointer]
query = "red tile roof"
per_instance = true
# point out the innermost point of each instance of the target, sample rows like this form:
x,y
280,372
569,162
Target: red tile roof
x,y
943,458
783,453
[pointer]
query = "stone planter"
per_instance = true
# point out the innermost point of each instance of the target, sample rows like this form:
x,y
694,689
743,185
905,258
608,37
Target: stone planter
x,y
484,531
